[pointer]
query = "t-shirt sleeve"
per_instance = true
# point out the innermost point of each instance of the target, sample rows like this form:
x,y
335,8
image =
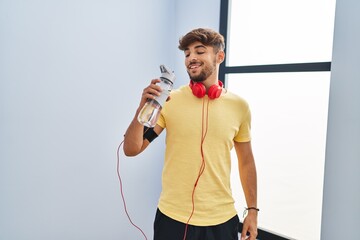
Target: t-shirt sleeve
x,y
244,133
161,120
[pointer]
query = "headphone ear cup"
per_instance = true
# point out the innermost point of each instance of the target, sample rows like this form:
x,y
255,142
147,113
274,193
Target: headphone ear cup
x,y
214,91
198,89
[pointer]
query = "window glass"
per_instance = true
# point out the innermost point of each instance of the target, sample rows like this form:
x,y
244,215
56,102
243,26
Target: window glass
x,y
289,122
280,31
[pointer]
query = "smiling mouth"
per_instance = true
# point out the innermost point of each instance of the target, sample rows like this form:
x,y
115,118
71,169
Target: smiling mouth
x,y
192,66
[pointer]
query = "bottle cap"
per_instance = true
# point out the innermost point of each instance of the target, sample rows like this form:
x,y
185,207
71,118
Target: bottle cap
x,y
167,73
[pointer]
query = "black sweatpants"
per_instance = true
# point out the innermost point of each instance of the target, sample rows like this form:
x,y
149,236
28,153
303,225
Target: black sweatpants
x,y
166,228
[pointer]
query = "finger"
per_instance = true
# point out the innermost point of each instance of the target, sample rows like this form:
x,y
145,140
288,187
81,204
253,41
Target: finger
x,y
253,235
150,92
154,86
243,234
154,81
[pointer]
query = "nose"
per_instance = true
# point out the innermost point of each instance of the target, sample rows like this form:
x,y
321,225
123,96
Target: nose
x,y
192,58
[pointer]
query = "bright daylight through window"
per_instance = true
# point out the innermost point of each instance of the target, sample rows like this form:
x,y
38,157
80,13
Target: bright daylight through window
x,y
289,109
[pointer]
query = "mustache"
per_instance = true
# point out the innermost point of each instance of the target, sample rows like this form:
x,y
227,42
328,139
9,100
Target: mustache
x,y
194,62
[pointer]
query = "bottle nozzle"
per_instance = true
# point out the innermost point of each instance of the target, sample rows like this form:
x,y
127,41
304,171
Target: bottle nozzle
x,y
167,73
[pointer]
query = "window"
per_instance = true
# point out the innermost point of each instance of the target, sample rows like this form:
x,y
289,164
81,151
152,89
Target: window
x,y
278,58
280,31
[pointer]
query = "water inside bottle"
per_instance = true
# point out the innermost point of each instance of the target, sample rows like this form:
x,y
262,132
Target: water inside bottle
x,y
149,113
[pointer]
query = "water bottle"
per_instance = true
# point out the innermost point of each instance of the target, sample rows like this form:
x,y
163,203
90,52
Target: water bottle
x,y
149,114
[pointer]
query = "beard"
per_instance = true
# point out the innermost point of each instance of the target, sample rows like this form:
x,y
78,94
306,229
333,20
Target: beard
x,y
205,73
200,77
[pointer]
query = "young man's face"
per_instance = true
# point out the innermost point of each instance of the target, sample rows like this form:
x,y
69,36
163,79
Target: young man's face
x,y
201,61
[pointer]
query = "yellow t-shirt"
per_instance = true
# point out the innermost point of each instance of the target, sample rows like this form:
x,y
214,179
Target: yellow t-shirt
x,y
184,117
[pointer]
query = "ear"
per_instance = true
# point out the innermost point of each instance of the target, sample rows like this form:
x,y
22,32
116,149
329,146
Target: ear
x,y
220,56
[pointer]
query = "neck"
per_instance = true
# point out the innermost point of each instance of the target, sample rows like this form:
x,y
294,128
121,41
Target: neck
x,y
211,80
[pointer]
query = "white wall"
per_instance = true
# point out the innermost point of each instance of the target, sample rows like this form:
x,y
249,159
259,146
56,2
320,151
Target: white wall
x,y
189,15
71,75
341,201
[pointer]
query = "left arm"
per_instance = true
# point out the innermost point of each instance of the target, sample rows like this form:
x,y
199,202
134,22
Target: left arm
x,y
247,171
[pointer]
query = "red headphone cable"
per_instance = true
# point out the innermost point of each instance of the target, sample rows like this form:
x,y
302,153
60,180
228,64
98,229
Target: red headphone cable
x,y
201,170
202,166
122,192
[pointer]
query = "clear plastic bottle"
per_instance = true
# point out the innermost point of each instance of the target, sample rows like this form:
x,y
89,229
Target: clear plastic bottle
x,y
149,114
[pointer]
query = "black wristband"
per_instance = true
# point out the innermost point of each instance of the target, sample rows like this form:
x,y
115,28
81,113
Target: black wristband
x,y
149,134
250,208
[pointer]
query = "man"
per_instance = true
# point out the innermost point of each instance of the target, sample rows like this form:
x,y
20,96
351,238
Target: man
x,y
203,123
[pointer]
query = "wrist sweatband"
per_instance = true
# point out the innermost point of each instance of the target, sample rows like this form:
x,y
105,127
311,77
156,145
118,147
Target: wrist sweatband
x,y
149,134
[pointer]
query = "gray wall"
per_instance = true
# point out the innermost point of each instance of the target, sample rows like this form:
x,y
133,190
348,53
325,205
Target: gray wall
x,y
341,202
71,76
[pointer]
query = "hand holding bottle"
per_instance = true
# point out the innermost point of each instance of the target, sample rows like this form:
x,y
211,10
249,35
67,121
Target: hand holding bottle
x,y
150,92
154,97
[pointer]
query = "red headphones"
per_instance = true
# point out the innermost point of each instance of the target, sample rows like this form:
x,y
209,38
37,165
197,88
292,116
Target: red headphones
x,y
199,90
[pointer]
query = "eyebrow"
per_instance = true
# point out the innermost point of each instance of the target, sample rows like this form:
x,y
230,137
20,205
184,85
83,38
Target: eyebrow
x,y
197,46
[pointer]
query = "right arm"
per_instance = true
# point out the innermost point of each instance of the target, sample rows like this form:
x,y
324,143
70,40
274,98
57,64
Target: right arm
x,y
134,143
